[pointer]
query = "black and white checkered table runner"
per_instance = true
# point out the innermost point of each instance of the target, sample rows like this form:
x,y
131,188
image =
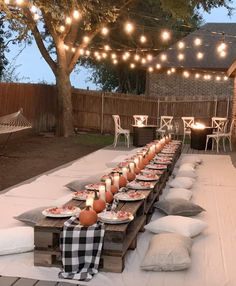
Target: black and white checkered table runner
x,y
81,249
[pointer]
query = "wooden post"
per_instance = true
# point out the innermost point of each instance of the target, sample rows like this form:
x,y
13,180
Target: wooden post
x,y
227,108
216,105
102,113
158,111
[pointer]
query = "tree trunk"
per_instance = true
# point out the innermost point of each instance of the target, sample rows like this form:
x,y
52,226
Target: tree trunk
x,y
65,126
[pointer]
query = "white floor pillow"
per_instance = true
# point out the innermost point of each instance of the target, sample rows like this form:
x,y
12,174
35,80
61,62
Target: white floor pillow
x,y
16,240
167,252
178,193
186,173
186,226
191,159
181,182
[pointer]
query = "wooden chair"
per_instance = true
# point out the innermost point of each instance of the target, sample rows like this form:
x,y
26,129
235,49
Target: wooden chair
x,y
228,135
140,119
165,125
218,123
119,131
187,121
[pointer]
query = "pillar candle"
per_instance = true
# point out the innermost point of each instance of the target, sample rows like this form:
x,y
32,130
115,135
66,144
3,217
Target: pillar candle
x,y
136,161
124,172
89,201
102,193
108,184
116,178
131,165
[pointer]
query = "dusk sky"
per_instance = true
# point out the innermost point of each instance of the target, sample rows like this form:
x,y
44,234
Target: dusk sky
x,y
33,68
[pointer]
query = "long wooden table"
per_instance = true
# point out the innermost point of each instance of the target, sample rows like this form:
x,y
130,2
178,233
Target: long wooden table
x,y
118,239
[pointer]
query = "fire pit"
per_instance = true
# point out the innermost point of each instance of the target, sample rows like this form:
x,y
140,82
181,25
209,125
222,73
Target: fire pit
x,y
199,133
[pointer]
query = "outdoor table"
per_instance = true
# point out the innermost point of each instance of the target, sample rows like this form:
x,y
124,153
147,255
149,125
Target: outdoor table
x,y
144,134
198,138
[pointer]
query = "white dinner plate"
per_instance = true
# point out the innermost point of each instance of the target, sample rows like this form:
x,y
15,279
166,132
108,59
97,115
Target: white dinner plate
x,y
110,217
147,177
83,195
127,198
65,212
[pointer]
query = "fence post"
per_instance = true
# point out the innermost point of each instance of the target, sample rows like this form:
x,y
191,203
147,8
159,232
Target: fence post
x,y
227,110
216,105
102,113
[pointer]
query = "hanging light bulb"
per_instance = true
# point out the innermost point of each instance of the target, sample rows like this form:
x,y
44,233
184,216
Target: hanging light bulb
x,y
113,56
104,31
124,57
186,74
99,57
143,61
165,35
73,49
181,57
115,62
66,47
197,42
96,53
169,72
81,51
200,55
181,45
158,66
132,65
76,14
163,57
225,78
68,20
107,48
223,54
218,78
172,70
149,57
143,39
62,28
104,55
129,27
221,47
86,39
136,57
127,54
87,53
197,75
150,69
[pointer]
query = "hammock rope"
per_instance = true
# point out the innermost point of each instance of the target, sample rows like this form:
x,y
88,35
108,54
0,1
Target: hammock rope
x,y
14,122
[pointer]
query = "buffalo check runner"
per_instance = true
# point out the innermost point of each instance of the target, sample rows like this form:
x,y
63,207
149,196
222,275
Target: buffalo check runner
x,y
81,249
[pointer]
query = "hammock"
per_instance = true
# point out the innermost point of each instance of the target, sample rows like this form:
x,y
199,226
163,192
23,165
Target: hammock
x,y
14,122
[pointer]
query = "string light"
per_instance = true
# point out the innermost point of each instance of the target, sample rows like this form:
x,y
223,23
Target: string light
x,y
181,57
73,49
221,47
113,56
104,55
129,27
197,42
225,78
165,35
149,57
66,47
81,51
143,61
169,72
68,20
181,45
200,55
197,75
173,70
143,39
158,66
76,14
19,2
86,39
87,53
132,65
62,28
218,78
104,31
163,57
136,57
115,62
150,69
223,54
107,48
186,74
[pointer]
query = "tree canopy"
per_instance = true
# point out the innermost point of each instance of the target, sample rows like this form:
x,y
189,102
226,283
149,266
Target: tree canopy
x,y
3,50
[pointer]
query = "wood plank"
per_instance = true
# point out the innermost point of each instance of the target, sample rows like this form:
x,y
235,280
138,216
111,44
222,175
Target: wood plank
x,y
7,281
25,282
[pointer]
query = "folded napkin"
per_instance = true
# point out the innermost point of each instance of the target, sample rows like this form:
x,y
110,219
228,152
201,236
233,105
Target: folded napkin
x,y
81,249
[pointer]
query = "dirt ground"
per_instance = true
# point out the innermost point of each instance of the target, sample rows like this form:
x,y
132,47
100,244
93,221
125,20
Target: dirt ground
x,y
28,155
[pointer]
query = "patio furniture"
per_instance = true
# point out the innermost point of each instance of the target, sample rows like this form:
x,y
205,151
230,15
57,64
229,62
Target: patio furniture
x,y
140,119
218,123
119,131
199,136
143,134
165,125
187,121
13,122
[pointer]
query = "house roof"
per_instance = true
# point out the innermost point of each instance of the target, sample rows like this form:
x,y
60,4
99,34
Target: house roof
x,y
211,34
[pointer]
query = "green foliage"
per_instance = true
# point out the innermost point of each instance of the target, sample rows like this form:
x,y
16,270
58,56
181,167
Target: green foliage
x,y
3,59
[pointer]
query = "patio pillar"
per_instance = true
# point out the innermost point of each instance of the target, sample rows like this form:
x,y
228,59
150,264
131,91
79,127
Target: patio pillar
x,y
234,101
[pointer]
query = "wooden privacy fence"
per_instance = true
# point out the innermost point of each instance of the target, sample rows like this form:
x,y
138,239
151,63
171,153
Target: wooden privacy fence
x,y
93,109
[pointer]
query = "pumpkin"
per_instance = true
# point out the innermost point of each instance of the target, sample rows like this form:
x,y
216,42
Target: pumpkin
x,y
130,176
136,170
114,189
145,160
88,216
98,204
109,197
122,181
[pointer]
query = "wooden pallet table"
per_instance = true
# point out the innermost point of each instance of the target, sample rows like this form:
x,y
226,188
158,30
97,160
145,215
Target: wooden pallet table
x,y
118,239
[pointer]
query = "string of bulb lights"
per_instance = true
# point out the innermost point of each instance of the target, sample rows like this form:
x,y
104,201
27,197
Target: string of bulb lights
x,y
138,56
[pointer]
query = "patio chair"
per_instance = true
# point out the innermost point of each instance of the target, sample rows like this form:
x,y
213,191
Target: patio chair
x,y
140,119
165,125
221,133
218,123
119,131
187,121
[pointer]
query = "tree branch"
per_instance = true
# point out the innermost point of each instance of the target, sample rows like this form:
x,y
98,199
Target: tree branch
x,y
39,41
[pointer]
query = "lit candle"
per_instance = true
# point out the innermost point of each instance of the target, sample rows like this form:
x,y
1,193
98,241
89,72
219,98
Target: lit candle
x,y
108,184
89,201
102,193
136,161
131,166
116,179
124,172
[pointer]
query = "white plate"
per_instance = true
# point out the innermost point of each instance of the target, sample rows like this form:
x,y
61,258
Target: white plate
x,y
156,167
140,185
66,213
147,178
107,217
82,196
125,197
